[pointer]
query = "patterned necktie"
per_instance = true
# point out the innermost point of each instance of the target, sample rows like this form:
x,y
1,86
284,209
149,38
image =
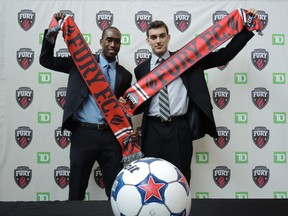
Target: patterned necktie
x,y
163,100
107,75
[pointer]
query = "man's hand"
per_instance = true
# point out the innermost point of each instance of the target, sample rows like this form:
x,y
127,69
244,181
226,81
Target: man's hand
x,y
59,16
253,12
122,100
53,32
252,23
251,16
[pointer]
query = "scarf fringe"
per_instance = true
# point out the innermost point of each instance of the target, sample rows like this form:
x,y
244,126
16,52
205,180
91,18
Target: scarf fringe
x,y
132,157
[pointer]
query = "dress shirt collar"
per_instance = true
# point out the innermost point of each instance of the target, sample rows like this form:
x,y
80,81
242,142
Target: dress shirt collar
x,y
154,58
103,63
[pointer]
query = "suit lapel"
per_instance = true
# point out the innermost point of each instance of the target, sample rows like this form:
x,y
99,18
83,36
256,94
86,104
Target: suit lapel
x,y
145,69
119,77
185,79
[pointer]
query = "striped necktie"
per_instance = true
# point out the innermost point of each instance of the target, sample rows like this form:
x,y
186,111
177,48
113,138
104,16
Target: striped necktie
x,y
163,100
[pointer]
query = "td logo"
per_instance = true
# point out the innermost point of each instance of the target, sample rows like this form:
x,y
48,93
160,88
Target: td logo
x,y
43,157
279,78
43,196
44,77
280,157
241,195
125,39
202,157
40,38
278,39
206,77
241,157
44,117
280,195
279,117
241,117
87,196
87,38
202,195
240,78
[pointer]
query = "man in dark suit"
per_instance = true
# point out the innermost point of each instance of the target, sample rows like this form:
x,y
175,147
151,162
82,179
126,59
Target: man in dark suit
x,y
92,139
189,100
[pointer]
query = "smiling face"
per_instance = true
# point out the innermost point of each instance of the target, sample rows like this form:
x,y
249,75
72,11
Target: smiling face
x,y
158,39
110,42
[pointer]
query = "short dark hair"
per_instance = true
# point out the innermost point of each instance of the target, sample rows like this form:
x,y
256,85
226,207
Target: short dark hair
x,y
108,28
156,24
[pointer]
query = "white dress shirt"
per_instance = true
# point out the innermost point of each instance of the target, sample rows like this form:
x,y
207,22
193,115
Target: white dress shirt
x,y
178,96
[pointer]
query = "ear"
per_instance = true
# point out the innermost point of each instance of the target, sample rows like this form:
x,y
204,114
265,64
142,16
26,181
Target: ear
x,y
101,41
169,37
147,41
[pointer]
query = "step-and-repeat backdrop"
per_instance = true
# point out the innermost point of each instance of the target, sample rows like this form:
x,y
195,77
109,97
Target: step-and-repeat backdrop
x,y
249,95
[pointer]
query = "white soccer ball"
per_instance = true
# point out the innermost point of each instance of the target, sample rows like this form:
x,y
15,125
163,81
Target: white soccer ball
x,y
150,186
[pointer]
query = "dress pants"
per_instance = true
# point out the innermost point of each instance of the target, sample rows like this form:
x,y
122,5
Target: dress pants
x,y
88,145
170,141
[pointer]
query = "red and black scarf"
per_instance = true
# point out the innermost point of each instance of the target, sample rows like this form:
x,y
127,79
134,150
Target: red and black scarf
x,y
99,87
187,56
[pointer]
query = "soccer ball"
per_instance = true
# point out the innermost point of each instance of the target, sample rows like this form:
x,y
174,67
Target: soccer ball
x,y
150,186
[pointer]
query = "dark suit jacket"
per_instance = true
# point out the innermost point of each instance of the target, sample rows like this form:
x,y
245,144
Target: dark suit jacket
x,y
200,115
77,91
